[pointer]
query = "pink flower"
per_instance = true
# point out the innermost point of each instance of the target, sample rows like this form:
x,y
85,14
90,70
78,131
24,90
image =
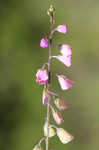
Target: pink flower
x,y
44,43
66,57
41,76
57,116
60,104
45,97
62,29
66,50
64,82
66,60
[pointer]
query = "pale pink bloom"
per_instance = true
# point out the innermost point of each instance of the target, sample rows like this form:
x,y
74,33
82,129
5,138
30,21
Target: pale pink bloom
x,y
66,50
66,60
62,29
38,147
41,76
64,82
57,116
45,97
60,104
44,43
64,136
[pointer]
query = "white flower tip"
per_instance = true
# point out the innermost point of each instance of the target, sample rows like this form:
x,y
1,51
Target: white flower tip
x,y
37,147
64,136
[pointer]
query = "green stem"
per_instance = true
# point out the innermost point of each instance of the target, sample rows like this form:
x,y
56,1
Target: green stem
x,y
49,80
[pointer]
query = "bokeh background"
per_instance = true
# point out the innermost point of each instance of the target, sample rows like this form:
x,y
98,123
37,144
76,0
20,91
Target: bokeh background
x,y
22,24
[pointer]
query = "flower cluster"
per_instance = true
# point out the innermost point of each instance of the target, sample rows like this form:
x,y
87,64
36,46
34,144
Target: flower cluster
x,y
42,78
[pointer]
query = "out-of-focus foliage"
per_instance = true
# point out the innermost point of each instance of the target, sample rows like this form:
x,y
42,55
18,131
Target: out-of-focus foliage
x,y
22,24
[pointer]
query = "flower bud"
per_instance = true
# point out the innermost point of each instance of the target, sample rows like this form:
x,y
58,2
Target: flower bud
x,y
41,76
37,147
64,136
44,43
45,97
60,104
51,10
57,116
51,130
62,29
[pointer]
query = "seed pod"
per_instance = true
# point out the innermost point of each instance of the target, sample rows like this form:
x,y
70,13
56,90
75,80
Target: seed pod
x,y
64,136
60,104
51,130
37,147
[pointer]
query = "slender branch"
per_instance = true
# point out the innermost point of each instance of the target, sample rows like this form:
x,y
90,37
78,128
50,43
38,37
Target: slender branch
x,y
44,65
49,80
41,141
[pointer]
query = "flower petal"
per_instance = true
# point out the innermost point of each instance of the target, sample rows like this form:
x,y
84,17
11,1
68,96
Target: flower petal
x,y
62,29
66,50
64,136
66,60
64,82
57,116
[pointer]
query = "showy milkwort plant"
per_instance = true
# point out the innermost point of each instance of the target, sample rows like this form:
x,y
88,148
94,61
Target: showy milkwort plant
x,y
43,77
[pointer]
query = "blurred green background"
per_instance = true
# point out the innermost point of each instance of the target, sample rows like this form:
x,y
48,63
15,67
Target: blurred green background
x,y
22,24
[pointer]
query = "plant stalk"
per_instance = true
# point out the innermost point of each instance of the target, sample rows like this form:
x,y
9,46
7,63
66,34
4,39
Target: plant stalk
x,y
49,80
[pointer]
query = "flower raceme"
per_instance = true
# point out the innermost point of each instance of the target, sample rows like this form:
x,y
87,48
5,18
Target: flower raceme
x,y
64,82
41,76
